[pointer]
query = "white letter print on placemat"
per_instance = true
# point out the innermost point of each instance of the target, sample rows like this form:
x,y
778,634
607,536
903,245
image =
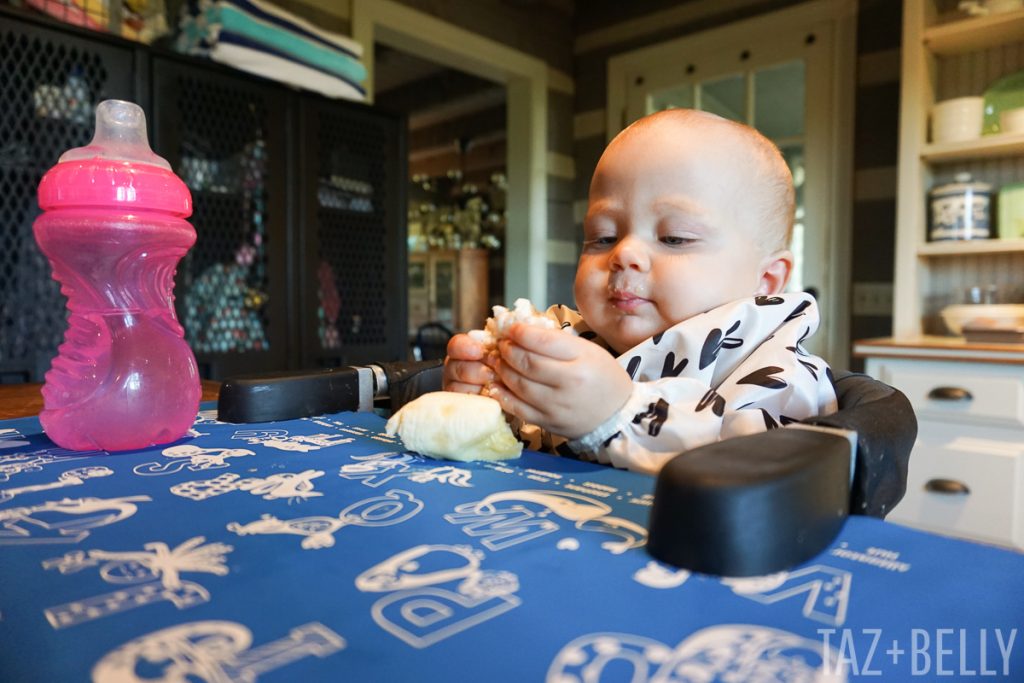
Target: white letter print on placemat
x,y
17,463
380,468
191,456
75,477
290,485
22,526
212,651
503,526
156,571
394,507
827,589
279,439
730,652
422,614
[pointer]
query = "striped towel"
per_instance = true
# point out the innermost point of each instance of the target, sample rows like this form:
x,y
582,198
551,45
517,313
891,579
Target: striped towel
x,y
235,32
244,54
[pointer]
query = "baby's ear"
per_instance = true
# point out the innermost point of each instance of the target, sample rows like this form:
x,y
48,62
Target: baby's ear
x,y
774,273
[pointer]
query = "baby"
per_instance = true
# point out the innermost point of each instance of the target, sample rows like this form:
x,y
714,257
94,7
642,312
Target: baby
x,y
683,335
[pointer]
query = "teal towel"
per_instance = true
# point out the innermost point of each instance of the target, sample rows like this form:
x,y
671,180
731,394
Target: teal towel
x,y
233,19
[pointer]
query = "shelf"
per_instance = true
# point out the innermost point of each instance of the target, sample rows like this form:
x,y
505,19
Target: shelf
x,y
986,147
968,247
966,35
928,347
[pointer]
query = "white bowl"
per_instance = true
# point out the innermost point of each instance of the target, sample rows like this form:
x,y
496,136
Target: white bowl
x,y
991,316
958,119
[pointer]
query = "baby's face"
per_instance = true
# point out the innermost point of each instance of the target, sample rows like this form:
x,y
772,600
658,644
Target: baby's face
x,y
669,232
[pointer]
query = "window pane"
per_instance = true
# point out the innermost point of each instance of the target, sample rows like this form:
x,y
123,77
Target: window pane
x,y
779,100
726,97
794,156
680,96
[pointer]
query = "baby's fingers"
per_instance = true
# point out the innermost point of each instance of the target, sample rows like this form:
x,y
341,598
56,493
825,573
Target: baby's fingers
x,y
467,372
464,347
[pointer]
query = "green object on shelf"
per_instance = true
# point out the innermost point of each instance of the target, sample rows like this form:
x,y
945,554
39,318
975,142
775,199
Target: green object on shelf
x,y
1011,211
1005,94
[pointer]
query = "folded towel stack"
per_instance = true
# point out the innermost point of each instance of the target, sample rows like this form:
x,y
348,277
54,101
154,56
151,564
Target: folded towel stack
x,y
258,37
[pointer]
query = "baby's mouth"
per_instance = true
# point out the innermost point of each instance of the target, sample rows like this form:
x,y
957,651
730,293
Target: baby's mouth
x,y
625,300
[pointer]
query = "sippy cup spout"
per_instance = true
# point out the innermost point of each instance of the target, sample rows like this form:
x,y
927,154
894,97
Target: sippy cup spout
x,y
120,135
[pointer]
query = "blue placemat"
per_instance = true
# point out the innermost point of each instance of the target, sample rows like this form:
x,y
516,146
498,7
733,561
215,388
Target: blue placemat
x,y
318,549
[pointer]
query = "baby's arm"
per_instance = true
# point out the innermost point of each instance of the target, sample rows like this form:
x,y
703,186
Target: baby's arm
x,y
559,382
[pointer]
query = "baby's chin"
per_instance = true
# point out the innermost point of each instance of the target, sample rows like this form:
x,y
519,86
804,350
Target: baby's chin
x,y
629,332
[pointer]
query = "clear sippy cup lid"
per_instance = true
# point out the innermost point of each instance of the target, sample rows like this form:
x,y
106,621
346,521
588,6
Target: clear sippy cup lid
x,y
120,135
117,169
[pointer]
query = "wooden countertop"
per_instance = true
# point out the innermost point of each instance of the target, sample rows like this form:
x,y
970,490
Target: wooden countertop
x,y
939,348
23,400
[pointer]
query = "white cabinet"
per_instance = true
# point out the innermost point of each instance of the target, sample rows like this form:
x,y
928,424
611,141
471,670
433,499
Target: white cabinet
x,y
946,54
966,474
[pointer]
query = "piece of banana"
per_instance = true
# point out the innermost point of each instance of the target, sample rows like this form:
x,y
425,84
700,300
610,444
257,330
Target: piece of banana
x,y
455,426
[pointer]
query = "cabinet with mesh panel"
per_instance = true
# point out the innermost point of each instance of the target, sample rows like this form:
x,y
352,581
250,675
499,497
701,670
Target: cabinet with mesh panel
x,y
353,245
298,203
50,86
226,137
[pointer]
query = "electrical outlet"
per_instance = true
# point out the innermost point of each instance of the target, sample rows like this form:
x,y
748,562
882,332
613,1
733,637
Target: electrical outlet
x,y
872,298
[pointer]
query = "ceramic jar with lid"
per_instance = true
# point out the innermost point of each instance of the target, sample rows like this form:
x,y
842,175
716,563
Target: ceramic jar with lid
x,y
960,210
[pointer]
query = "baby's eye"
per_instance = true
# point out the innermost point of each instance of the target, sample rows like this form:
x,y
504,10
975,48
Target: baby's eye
x,y
600,241
676,240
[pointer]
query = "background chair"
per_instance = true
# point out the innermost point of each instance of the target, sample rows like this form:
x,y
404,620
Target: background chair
x,y
431,341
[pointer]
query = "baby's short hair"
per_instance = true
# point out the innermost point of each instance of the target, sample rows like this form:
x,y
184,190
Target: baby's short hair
x,y
778,196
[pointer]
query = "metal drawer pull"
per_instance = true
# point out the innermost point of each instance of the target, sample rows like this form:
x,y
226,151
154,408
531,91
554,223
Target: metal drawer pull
x,y
947,486
950,394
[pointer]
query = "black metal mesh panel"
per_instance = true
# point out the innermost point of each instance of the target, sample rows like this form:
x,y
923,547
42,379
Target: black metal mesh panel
x,y
50,86
353,184
223,160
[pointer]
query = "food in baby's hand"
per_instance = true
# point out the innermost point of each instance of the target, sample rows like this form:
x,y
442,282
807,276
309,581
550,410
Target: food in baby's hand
x,y
445,424
497,327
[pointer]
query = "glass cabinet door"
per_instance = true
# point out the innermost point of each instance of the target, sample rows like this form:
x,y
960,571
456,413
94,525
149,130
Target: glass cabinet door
x,y
225,137
50,86
353,265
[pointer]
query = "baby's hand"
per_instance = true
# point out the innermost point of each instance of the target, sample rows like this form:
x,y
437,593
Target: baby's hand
x,y
560,382
465,366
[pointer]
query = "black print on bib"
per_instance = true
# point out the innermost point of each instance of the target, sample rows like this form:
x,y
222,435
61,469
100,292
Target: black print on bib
x,y
798,311
763,378
799,351
669,369
713,399
657,412
657,338
715,343
769,421
768,300
565,451
632,366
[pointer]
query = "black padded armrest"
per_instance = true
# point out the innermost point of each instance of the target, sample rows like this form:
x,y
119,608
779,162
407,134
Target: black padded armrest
x,y
886,430
751,505
291,395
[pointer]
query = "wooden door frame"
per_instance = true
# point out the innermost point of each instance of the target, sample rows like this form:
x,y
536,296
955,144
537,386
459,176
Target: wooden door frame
x,y
526,79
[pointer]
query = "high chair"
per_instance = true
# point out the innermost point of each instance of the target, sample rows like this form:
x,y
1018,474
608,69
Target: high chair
x,y
743,506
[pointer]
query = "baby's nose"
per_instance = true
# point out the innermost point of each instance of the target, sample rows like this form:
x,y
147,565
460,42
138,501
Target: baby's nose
x,y
630,253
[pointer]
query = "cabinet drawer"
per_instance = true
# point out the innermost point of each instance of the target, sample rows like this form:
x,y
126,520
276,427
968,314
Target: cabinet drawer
x,y
977,393
987,462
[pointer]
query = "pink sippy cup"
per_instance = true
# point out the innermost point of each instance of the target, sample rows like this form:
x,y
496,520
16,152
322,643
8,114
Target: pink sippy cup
x,y
114,230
